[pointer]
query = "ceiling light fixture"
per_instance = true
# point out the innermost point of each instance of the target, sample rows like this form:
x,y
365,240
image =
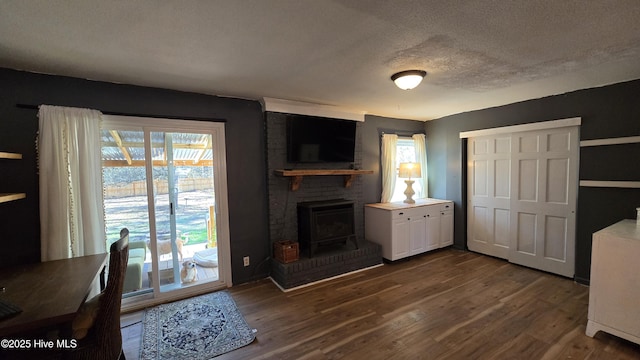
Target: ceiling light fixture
x,y
409,79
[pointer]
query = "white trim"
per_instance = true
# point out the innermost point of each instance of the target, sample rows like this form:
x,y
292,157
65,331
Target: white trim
x,y
543,125
302,108
217,131
610,184
611,141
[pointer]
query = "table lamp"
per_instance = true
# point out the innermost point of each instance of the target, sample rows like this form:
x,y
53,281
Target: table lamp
x,y
409,170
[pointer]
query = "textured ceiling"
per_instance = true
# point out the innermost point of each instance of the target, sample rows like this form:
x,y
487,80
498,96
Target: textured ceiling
x,y
478,53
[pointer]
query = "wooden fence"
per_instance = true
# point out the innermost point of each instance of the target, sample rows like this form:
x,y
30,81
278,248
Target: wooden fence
x,y
139,188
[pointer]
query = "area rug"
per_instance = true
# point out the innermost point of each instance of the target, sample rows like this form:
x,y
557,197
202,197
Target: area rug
x,y
201,327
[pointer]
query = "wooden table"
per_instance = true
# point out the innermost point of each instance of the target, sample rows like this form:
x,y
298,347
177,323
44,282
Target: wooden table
x,y
49,292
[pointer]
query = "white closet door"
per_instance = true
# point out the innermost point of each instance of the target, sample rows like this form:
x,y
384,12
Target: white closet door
x,y
489,195
544,180
522,197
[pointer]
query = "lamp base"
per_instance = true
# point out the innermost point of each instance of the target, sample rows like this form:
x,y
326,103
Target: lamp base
x,y
409,192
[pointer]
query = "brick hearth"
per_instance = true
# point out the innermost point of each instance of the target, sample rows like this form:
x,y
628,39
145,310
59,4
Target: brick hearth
x,y
327,263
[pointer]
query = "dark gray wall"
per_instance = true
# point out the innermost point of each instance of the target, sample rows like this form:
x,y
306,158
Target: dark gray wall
x,y
606,112
371,133
245,144
611,111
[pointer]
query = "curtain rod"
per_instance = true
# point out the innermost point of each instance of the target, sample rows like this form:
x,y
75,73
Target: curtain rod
x,y
400,133
36,107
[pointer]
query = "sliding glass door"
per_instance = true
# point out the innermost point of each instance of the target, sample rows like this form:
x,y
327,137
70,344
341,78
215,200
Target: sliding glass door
x,y
165,181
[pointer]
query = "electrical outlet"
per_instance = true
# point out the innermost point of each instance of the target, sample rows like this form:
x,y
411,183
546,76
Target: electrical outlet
x,y
246,260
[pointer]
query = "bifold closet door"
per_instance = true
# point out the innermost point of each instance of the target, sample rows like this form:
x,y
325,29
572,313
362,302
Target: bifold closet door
x,y
522,197
489,194
543,206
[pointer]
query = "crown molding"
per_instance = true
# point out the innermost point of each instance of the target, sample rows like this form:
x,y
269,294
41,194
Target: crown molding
x,y
303,108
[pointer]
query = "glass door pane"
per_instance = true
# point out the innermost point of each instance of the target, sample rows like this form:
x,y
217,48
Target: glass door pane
x,y
126,202
168,204
184,201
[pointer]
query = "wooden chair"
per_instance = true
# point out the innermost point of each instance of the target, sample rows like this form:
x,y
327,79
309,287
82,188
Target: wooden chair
x,y
104,339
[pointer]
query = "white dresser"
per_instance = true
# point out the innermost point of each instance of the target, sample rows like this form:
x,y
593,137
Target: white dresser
x,y
408,229
614,291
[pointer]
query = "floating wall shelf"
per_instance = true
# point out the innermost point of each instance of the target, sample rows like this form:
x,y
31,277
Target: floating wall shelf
x,y
297,175
6,197
7,155
11,197
610,183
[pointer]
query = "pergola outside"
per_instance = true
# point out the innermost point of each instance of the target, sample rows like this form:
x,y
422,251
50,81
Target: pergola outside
x,y
181,161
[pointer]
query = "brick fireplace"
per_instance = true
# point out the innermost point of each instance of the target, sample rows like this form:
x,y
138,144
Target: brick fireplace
x,y
333,257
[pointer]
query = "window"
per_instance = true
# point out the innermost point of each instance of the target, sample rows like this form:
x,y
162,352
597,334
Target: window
x,y
395,150
405,152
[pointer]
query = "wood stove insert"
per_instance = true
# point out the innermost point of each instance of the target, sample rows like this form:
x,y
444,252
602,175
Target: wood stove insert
x,y
324,223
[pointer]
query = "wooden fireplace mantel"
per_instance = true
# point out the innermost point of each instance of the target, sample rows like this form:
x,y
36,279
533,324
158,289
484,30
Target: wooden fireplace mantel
x,y
297,175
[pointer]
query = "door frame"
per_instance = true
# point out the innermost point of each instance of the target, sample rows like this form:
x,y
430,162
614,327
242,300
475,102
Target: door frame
x,y
217,131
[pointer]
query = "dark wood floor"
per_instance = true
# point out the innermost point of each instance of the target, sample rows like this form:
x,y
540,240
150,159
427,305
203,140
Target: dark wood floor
x,y
443,305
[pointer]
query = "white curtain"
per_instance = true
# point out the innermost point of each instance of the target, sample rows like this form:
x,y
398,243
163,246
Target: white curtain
x,y
389,173
71,210
420,147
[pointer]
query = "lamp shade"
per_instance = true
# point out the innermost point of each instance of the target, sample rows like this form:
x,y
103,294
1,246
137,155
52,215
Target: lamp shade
x,y
407,80
409,170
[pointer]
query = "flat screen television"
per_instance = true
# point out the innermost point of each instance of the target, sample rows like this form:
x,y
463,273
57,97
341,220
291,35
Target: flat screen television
x,y
314,139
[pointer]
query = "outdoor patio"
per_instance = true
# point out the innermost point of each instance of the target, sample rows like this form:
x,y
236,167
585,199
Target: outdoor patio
x,y
165,265
193,223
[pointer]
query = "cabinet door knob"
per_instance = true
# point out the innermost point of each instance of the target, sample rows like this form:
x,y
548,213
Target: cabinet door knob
x,y
401,213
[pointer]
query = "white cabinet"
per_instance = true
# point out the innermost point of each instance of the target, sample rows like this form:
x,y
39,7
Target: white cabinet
x,y
433,227
614,289
408,229
446,226
417,235
401,230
